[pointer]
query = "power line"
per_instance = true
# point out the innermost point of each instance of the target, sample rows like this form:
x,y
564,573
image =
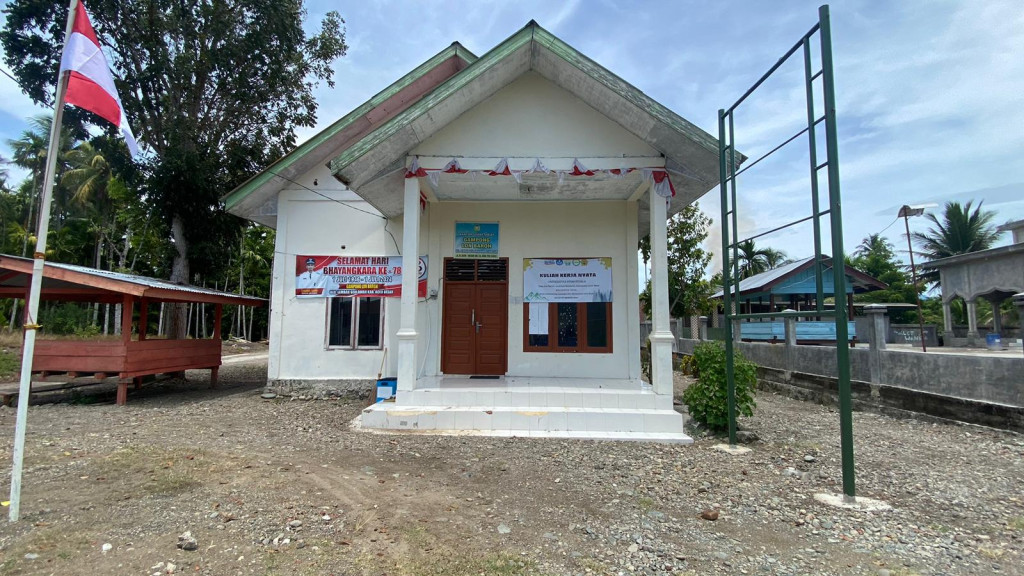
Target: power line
x,y
325,196
318,193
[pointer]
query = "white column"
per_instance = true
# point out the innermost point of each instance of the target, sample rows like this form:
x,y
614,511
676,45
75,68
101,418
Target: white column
x,y
410,259
661,334
947,320
284,282
972,319
632,296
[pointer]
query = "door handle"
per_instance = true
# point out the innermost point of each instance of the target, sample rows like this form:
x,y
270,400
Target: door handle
x,y
472,317
478,325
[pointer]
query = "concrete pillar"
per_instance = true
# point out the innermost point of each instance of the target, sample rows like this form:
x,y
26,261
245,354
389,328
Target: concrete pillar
x,y
947,320
972,321
790,326
410,259
1018,300
876,344
790,332
661,334
702,334
997,320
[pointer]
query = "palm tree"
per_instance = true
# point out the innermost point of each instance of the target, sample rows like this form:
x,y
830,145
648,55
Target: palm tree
x,y
29,152
754,260
87,176
960,231
873,244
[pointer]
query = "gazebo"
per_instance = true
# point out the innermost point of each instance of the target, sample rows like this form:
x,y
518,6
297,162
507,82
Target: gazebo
x,y
994,274
127,359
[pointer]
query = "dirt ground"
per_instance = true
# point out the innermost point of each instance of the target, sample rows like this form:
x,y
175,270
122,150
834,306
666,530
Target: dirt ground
x,y
287,487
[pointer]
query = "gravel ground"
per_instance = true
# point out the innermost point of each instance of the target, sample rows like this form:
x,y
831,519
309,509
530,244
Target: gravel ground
x,y
286,487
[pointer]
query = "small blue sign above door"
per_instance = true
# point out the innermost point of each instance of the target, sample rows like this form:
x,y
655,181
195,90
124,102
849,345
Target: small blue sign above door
x,y
477,240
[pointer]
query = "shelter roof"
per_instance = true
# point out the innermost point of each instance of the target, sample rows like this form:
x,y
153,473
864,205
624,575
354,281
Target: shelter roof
x,y
372,162
980,255
68,282
765,281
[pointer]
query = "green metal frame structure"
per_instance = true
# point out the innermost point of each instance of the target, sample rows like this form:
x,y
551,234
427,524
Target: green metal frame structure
x,y
730,242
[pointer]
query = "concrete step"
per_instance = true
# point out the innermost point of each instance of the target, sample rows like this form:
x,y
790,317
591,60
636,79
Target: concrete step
x,y
553,422
537,397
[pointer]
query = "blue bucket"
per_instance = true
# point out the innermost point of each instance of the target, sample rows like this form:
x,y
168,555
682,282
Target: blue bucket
x,y
994,342
386,388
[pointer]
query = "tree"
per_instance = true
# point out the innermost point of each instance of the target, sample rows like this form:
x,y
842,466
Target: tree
x,y
688,290
876,257
960,231
213,88
754,260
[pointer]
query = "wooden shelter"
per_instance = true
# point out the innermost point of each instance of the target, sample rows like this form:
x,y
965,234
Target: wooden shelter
x,y
127,359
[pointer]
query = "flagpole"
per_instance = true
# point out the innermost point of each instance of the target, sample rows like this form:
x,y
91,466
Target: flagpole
x,y
32,305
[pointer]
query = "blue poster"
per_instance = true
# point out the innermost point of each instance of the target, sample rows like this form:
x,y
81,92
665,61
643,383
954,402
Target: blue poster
x,y
477,240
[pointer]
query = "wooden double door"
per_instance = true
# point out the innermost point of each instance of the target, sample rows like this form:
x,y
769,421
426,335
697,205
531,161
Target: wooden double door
x,y
475,317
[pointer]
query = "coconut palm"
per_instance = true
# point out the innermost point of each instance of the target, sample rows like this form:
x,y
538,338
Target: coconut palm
x,y
754,260
960,231
87,175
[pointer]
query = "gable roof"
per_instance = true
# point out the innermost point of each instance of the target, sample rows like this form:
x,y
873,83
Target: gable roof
x,y
766,280
373,164
255,199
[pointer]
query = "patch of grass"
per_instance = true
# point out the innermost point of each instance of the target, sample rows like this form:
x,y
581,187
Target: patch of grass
x,y
49,544
992,553
164,471
10,364
645,504
452,563
1016,523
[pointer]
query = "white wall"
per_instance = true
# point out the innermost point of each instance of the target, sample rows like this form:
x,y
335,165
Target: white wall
x,y
308,223
535,118
538,230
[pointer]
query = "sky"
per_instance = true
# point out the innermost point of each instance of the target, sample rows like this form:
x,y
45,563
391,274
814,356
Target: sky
x,y
928,91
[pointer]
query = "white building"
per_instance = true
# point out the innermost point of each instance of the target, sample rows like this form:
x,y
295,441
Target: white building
x,y
546,169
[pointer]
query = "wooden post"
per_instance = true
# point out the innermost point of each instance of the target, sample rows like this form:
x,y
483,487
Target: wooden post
x,y
849,301
217,312
122,392
126,318
143,317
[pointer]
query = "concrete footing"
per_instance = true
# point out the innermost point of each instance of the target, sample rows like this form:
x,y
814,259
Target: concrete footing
x,y
734,450
859,503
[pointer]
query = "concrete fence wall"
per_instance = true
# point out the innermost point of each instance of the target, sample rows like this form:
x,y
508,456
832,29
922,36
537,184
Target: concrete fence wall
x,y
971,388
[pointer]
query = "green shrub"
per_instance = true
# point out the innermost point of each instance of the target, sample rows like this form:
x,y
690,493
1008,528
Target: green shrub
x,y
707,398
687,366
64,318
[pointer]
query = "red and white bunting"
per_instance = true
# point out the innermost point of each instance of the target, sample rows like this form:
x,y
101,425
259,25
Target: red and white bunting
x,y
90,83
661,182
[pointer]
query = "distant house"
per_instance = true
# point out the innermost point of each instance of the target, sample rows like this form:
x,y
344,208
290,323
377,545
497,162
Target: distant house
x,y
793,286
472,230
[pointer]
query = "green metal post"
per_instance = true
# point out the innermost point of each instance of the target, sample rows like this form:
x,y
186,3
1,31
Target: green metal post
x,y
813,142
838,257
730,363
723,173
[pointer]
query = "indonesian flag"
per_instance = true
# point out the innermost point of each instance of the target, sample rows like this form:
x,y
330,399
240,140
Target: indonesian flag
x,y
90,84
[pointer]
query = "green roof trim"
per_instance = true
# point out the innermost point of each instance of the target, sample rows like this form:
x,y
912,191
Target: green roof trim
x,y
529,33
233,198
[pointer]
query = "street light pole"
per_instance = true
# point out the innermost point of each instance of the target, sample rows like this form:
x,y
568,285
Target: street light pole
x,y
906,212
